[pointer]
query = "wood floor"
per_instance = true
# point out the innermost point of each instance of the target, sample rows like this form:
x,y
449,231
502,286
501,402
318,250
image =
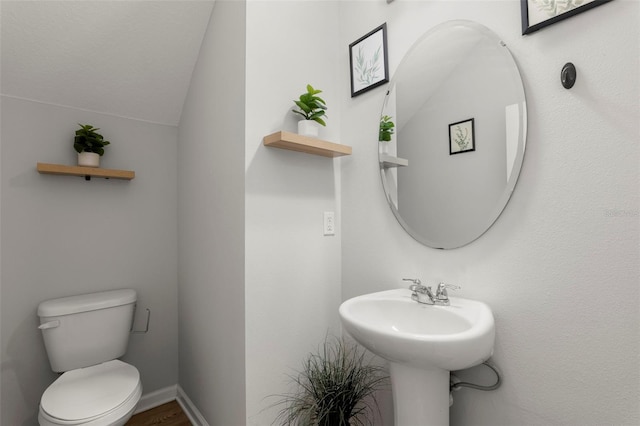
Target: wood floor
x,y
169,414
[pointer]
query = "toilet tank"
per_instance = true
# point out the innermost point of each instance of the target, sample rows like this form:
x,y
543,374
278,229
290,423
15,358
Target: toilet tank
x,y
88,329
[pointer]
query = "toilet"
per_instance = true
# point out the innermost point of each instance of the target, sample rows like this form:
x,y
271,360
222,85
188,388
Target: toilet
x,y
84,336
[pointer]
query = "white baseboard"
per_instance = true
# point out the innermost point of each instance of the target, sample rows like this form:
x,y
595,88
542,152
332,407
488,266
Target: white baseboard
x,y
168,394
189,408
156,398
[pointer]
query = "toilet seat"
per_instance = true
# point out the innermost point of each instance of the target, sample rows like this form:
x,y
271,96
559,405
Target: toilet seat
x,y
97,395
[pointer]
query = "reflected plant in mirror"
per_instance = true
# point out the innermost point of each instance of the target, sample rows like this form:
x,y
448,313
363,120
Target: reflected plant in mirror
x,y
386,129
458,69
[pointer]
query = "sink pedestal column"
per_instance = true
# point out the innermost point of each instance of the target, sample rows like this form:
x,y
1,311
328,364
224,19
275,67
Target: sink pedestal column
x,y
420,396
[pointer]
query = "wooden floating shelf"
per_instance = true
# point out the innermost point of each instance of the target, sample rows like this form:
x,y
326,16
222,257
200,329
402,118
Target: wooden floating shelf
x,y
295,142
86,172
389,161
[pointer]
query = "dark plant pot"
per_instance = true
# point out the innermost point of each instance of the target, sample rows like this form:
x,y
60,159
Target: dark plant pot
x,y
334,419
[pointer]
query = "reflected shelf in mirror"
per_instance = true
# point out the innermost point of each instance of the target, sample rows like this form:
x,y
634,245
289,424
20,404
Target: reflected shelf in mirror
x,y
388,161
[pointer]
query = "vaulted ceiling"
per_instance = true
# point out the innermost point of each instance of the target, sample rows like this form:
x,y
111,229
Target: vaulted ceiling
x,y
127,58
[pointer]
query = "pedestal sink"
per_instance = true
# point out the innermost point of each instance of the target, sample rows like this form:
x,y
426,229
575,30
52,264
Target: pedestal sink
x,y
422,343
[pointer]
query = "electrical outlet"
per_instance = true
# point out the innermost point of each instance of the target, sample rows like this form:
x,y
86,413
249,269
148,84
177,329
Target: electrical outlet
x,y
329,223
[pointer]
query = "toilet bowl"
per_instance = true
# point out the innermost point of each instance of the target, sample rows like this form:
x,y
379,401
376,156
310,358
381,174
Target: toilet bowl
x,y
101,395
85,335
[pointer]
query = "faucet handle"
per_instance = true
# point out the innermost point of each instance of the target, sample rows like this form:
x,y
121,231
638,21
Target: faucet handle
x,y
441,292
417,284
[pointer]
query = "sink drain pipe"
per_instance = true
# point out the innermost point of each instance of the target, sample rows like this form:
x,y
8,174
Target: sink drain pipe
x,y
456,384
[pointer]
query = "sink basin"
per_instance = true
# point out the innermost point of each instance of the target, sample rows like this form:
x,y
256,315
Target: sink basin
x,y
399,329
422,343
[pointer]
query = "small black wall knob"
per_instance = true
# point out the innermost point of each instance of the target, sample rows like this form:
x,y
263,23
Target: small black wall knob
x,y
568,75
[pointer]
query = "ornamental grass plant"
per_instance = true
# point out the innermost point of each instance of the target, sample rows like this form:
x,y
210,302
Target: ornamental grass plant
x,y
336,387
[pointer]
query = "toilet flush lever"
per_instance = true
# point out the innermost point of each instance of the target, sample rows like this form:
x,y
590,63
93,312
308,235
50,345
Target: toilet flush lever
x,y
49,324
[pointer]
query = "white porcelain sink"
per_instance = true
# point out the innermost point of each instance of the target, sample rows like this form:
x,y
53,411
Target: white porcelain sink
x,y
422,343
399,329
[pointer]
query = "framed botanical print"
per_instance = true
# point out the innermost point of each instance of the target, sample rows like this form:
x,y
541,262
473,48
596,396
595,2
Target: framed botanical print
x,y
368,61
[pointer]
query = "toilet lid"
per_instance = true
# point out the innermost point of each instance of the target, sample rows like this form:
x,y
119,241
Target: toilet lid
x,y
91,391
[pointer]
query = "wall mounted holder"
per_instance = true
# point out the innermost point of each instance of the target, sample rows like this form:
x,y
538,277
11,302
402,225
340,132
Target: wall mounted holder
x,y
568,75
86,172
295,142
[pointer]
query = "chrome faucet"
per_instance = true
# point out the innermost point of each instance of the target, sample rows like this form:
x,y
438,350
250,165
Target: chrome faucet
x,y
421,294
424,294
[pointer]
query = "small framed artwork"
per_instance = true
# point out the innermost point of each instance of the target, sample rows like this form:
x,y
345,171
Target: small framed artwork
x,y
462,137
537,14
368,61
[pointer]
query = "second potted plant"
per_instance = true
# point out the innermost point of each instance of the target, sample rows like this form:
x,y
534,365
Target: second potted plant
x,y
89,144
336,387
312,108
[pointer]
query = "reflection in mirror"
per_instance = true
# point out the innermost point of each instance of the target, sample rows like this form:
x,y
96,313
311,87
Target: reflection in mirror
x,y
459,110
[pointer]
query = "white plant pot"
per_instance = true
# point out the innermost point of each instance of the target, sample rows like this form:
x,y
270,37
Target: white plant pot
x,y
88,159
309,128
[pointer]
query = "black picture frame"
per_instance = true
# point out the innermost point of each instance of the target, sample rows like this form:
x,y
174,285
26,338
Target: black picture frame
x,y
531,24
462,136
368,61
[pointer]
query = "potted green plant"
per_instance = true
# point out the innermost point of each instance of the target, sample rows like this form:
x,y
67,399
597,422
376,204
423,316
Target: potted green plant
x,y
312,108
336,387
89,144
386,129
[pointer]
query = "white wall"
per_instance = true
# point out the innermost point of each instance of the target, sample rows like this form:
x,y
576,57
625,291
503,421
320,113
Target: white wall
x,y
63,236
259,283
560,266
211,223
292,271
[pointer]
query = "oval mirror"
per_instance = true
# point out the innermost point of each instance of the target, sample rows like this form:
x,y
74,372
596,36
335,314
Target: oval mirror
x,y
452,134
